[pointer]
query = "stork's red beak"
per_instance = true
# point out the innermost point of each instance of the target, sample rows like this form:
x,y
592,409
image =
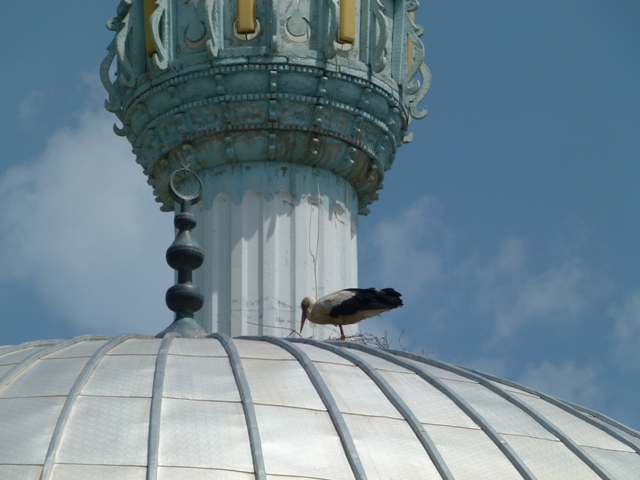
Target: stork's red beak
x,y
304,317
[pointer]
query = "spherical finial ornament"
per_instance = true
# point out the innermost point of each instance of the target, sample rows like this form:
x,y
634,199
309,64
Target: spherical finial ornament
x,y
185,255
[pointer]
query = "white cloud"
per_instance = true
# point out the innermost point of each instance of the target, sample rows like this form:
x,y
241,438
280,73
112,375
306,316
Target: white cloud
x,y
515,292
626,332
80,227
411,248
445,281
566,381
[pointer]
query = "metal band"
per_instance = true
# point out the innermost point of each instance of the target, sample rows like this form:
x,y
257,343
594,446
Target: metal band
x,y
27,362
328,400
550,427
393,397
88,369
156,406
38,343
603,418
497,439
247,404
601,421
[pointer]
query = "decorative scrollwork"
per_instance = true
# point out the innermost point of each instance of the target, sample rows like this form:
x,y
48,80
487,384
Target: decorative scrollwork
x,y
117,48
416,90
332,29
414,100
161,57
379,53
212,44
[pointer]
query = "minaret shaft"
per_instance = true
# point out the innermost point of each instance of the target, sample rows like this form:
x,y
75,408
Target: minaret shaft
x,y
274,233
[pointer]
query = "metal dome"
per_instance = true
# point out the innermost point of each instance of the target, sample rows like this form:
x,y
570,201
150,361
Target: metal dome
x,y
133,407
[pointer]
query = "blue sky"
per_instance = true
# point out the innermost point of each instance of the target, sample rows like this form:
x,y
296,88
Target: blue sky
x,y
511,223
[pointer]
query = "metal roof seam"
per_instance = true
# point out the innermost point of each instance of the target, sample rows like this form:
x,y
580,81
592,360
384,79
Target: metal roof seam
x,y
156,406
37,343
395,399
246,400
478,419
86,372
31,359
600,421
543,421
327,399
603,418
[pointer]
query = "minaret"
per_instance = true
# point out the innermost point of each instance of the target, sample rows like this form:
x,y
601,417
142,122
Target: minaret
x,y
291,112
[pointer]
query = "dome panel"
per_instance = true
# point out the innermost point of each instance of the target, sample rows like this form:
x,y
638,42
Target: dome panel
x,y
282,383
177,473
23,472
271,408
439,410
137,346
581,432
301,442
319,355
46,378
97,472
27,425
388,448
106,431
81,349
504,416
190,378
471,455
354,392
550,459
621,465
15,357
122,376
195,348
204,434
261,350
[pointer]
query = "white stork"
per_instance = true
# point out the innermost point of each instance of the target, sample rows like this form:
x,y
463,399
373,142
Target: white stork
x,y
348,306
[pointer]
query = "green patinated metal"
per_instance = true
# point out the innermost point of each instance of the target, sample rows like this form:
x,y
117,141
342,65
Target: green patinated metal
x,y
288,92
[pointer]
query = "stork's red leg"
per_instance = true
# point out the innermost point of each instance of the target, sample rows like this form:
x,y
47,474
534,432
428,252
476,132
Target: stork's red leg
x,y
341,332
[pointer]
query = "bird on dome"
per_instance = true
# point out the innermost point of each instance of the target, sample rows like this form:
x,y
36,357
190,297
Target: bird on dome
x,y
349,306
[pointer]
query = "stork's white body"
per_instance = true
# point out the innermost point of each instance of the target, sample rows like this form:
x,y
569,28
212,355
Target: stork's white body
x,y
346,307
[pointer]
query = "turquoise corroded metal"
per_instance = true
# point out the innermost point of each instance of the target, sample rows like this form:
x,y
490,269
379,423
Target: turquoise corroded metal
x,y
288,92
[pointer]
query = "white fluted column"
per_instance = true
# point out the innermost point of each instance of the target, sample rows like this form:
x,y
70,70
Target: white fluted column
x,y
273,233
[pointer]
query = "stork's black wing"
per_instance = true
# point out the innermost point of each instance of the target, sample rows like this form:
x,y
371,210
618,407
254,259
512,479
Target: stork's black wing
x,y
367,299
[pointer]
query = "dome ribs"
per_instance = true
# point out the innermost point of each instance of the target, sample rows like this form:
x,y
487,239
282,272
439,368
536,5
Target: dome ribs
x,y
538,417
31,359
88,369
156,406
23,346
247,403
486,427
327,399
600,421
393,397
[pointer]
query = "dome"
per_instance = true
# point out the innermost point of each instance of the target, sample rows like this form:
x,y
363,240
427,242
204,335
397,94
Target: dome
x,y
133,407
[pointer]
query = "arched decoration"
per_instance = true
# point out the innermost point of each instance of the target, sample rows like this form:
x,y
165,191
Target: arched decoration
x,y
213,41
331,29
379,53
414,89
159,35
118,49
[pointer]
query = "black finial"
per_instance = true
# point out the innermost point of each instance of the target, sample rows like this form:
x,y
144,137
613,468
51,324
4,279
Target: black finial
x,y
185,255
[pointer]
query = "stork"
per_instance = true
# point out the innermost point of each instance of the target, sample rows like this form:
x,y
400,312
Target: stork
x,y
349,306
